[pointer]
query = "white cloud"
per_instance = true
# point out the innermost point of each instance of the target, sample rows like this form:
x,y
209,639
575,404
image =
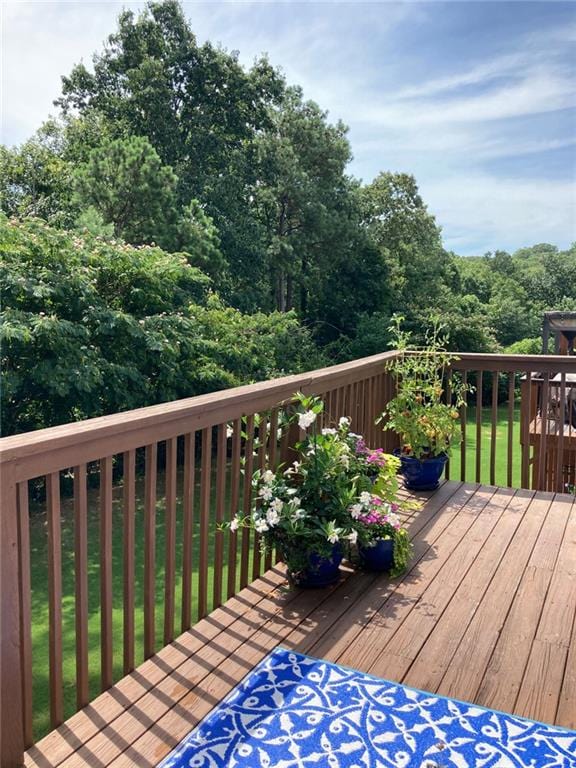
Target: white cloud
x,y
507,212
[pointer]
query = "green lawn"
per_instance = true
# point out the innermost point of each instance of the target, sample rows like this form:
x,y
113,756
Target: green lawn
x,y
501,474
39,576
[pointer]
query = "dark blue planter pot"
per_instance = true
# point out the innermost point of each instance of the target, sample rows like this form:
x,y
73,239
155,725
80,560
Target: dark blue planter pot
x,y
421,475
322,571
380,557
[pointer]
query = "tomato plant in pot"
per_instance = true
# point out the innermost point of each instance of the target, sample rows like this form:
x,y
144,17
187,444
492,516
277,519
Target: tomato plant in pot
x,y
427,423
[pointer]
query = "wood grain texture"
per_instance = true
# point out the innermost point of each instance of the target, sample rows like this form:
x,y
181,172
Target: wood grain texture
x,y
471,602
25,610
81,584
106,633
187,528
128,525
54,598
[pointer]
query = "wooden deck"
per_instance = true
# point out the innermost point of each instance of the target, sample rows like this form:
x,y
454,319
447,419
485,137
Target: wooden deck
x,y
485,614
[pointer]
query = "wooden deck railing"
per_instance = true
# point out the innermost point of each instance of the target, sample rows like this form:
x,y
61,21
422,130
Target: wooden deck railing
x,y
533,445
168,474
186,465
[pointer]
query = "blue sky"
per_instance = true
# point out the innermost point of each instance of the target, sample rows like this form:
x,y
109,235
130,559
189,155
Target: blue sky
x,y
476,99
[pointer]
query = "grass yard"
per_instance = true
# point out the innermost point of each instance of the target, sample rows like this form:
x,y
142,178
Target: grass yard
x,y
501,447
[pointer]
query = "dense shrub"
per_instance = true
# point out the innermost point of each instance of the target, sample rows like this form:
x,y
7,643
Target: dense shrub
x,y
90,327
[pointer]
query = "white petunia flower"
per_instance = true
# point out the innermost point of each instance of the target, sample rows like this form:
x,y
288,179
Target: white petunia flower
x,y
329,431
333,537
265,493
268,477
234,524
261,526
272,517
356,510
277,504
365,497
306,419
345,461
344,421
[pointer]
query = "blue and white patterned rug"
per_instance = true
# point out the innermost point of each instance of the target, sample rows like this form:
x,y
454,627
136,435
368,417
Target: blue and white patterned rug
x,y
293,711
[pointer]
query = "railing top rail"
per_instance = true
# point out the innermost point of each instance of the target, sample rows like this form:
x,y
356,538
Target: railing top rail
x,y
472,361
34,453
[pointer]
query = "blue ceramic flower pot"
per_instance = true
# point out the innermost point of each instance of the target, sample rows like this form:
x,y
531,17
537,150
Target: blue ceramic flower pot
x,y
421,475
322,571
380,557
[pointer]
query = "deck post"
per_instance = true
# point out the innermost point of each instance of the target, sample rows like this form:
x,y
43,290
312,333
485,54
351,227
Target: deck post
x,y
11,677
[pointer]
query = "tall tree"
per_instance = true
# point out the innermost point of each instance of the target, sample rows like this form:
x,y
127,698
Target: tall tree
x,y
409,239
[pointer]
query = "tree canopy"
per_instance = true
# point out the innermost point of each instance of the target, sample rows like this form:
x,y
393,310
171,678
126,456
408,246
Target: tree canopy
x,y
186,223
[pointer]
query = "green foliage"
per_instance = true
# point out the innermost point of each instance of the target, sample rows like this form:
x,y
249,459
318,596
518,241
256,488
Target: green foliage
x,y
125,180
324,497
91,327
426,424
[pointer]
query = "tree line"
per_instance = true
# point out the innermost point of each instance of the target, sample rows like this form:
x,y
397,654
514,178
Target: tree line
x,y
186,223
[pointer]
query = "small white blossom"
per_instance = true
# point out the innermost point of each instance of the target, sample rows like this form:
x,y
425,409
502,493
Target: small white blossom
x,y
329,431
293,469
299,514
277,505
365,497
333,537
344,421
265,493
345,461
268,477
234,524
306,419
296,501
261,526
356,510
352,537
393,519
272,517
229,431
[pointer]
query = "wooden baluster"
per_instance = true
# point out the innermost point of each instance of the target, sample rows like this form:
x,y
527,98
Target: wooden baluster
x,y
170,539
479,426
81,584
493,427
188,527
129,521
257,556
221,466
25,610
150,549
544,420
463,424
11,659
55,598
247,499
448,402
525,413
234,505
273,464
106,651
560,436
510,452
205,494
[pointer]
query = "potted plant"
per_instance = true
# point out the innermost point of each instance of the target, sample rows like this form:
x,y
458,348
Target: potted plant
x,y
427,424
383,544
303,510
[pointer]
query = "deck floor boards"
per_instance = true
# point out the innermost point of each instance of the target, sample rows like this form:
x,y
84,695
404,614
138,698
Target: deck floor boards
x,y
486,613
